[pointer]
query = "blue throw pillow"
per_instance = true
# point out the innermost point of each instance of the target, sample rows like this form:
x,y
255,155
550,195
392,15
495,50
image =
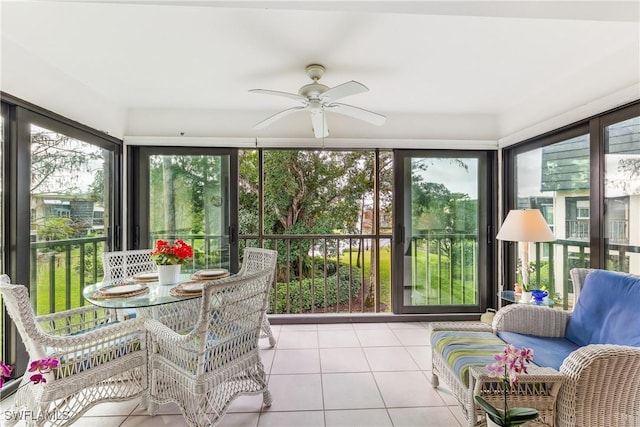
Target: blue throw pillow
x,y
608,310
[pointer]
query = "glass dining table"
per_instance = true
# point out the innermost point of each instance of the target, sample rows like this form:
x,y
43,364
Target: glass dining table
x,y
130,293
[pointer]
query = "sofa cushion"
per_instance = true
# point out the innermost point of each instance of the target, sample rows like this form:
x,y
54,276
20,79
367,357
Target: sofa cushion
x,y
607,310
547,351
463,349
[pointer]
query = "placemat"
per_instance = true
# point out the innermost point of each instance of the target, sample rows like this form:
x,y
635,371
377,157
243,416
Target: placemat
x,y
197,276
180,291
139,278
101,294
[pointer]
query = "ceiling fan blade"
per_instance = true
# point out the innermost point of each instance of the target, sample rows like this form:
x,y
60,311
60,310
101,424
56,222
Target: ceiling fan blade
x,y
319,123
358,113
345,89
279,93
266,122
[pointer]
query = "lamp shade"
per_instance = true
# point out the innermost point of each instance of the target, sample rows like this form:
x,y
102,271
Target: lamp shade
x,y
525,225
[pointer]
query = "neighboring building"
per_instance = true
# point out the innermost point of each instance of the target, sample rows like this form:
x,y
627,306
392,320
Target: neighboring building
x,y
82,211
566,177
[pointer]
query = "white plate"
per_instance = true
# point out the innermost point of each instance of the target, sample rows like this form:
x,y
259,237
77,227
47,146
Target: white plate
x,y
211,273
191,287
146,276
123,289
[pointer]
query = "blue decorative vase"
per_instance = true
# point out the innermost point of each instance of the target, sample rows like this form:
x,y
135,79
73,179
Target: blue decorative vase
x,y
538,295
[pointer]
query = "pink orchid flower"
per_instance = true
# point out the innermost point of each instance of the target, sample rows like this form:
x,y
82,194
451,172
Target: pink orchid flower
x,y
5,370
37,379
510,362
43,365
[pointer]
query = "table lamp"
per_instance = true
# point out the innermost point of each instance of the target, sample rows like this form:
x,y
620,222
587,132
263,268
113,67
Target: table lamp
x,y
526,226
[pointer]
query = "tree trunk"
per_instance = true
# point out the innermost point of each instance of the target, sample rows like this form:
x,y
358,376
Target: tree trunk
x,y
169,196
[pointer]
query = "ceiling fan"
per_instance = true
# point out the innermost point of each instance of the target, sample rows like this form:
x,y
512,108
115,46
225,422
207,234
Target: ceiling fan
x,y
318,98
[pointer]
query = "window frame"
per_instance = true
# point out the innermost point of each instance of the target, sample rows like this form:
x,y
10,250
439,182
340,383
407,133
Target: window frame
x,y
595,127
20,115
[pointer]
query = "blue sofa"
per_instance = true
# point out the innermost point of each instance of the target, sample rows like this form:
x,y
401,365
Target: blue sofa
x,y
607,312
596,348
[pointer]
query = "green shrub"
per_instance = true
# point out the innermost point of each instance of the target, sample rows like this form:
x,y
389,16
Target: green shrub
x,y
297,298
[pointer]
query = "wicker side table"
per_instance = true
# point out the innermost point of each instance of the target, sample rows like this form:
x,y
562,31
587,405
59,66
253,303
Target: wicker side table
x,y
538,389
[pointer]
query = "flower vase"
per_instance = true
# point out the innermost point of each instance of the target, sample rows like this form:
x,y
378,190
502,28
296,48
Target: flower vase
x,y
491,423
525,297
168,274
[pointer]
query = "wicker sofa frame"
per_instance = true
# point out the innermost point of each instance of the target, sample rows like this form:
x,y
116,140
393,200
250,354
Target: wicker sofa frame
x,y
600,382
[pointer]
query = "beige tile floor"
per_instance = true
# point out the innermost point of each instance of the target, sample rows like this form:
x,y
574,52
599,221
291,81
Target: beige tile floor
x,y
332,375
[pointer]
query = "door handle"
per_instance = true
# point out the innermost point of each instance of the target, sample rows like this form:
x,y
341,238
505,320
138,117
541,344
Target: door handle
x,y
399,234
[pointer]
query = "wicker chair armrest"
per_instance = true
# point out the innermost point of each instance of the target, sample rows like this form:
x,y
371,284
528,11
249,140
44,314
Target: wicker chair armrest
x,y
460,326
89,338
601,386
159,332
611,364
75,320
185,351
531,320
72,312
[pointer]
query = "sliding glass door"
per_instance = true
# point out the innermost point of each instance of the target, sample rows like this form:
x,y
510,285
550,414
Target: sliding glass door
x,y
442,254
185,193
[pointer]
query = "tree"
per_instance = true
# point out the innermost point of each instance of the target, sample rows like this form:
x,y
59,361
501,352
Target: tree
x,y
305,192
190,183
451,215
56,228
57,161
61,165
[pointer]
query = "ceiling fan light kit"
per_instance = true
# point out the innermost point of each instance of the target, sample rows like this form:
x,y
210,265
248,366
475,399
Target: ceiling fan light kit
x,y
317,98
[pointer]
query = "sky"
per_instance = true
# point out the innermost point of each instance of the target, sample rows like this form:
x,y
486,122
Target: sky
x,y
455,178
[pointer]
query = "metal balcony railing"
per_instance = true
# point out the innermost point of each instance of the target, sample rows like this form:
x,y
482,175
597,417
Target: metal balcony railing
x,y
617,230
60,269
325,273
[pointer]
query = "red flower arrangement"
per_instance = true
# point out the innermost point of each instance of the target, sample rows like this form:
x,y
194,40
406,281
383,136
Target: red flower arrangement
x,y
174,253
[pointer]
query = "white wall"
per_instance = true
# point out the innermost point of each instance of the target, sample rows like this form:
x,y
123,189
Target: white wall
x,y
59,93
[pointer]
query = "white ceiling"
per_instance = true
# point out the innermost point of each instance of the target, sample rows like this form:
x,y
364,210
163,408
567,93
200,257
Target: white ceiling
x,y
439,70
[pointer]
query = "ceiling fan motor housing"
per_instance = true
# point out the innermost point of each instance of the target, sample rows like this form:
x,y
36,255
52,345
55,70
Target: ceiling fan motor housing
x,y
315,89
315,71
312,90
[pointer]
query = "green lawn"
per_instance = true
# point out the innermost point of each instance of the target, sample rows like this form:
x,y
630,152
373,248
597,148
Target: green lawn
x,y
441,289
43,278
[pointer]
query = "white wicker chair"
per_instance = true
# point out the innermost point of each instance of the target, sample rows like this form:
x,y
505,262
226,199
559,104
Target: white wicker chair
x,y
123,264
205,367
101,360
257,259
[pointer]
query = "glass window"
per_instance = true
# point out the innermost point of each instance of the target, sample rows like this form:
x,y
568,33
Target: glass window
x,y
70,182
443,209
189,200
328,213
622,196
556,179
444,240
